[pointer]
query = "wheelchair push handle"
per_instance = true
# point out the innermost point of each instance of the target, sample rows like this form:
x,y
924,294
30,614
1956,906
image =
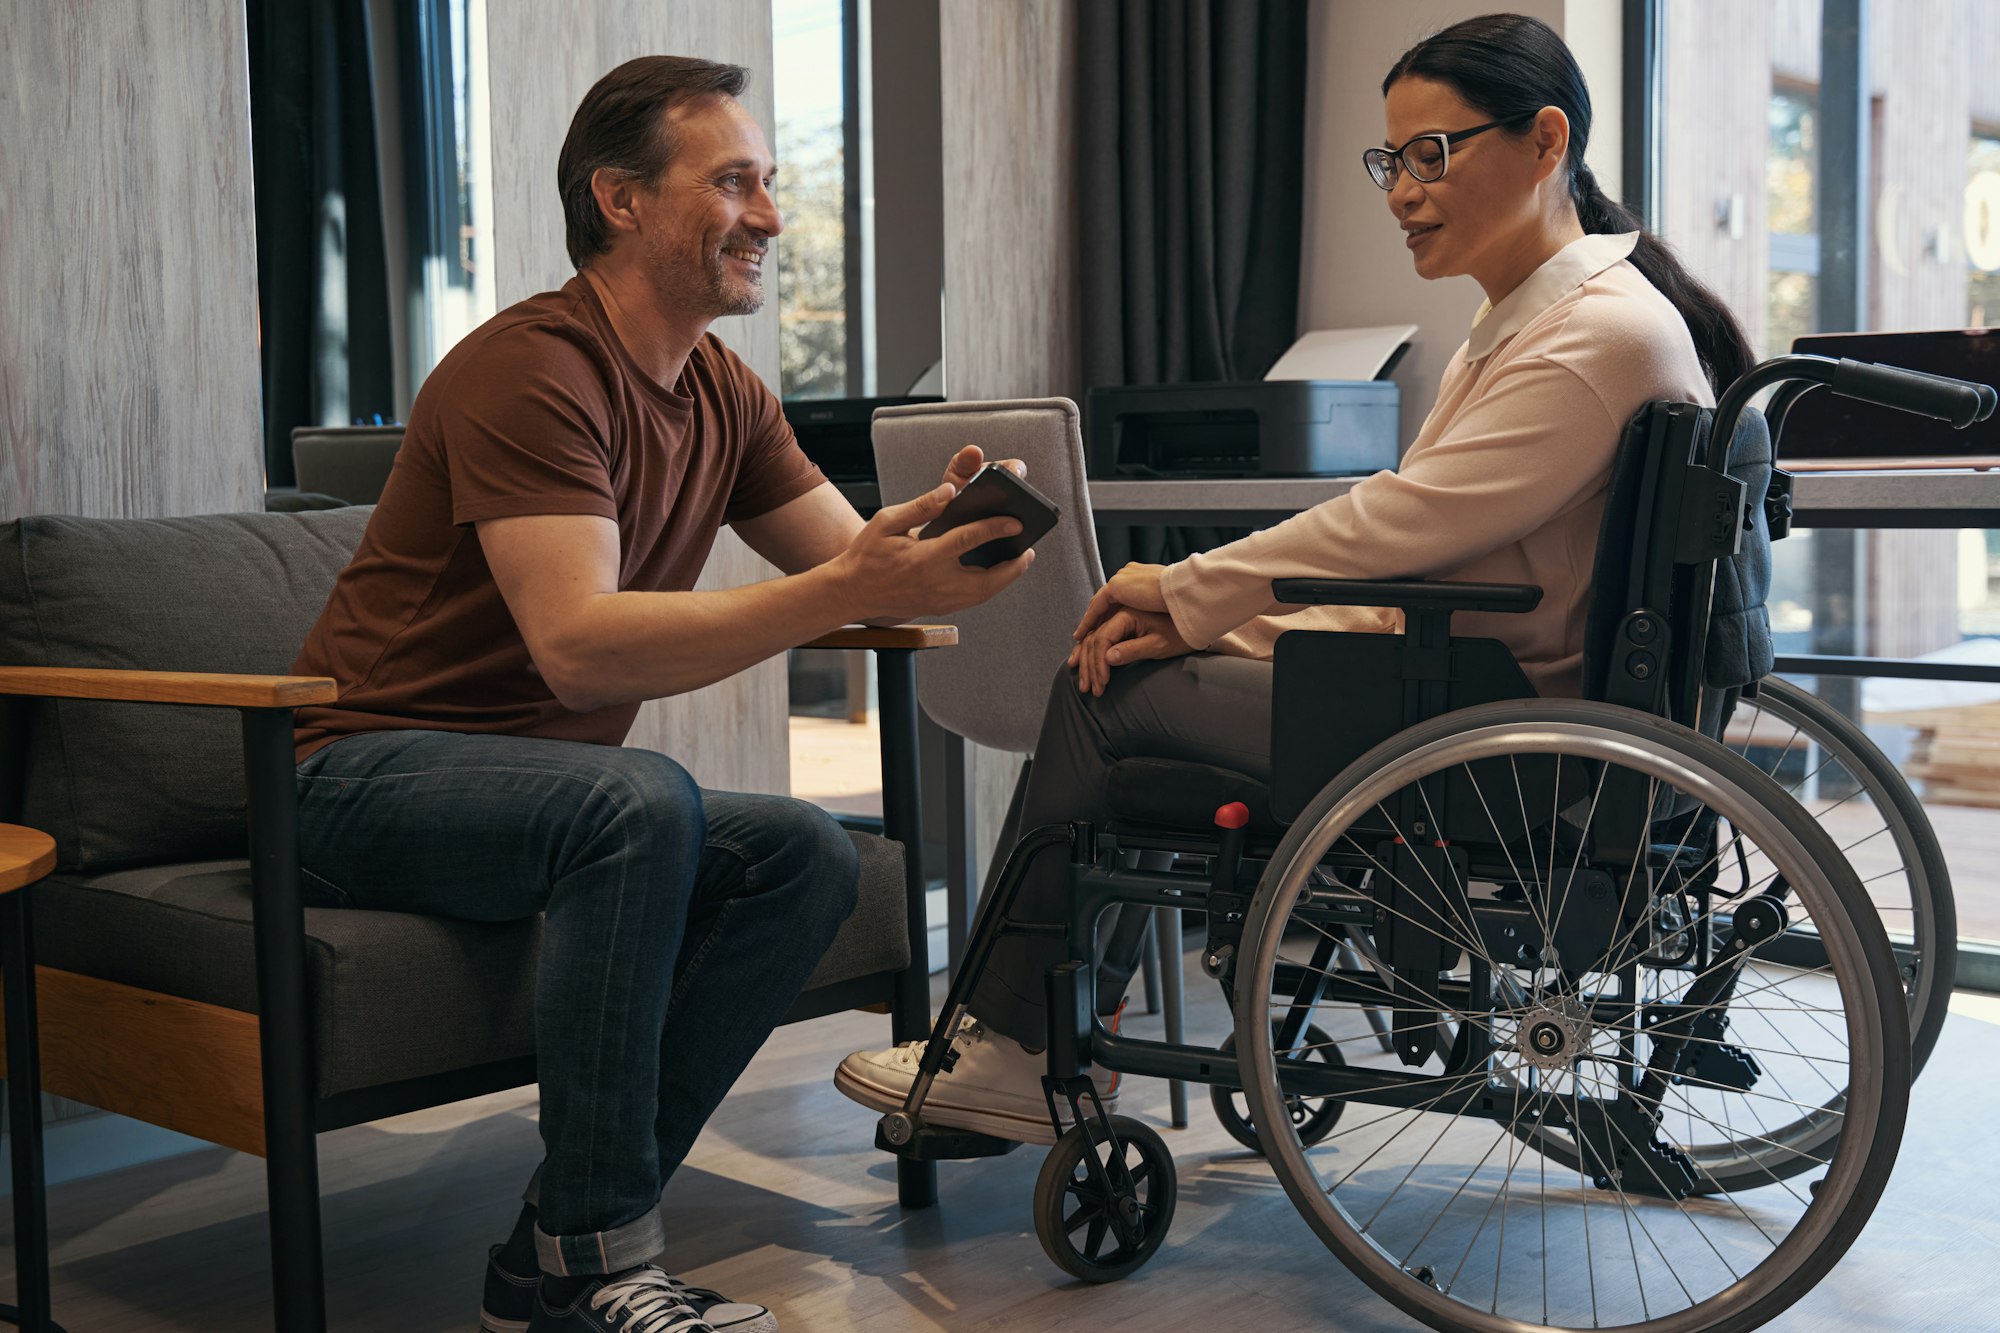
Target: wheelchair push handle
x,y
1959,402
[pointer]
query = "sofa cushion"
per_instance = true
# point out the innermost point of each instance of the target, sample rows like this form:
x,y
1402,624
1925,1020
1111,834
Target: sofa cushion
x,y
127,784
393,995
876,938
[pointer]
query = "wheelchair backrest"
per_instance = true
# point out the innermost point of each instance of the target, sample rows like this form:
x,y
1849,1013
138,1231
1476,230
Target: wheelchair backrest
x,y
1677,623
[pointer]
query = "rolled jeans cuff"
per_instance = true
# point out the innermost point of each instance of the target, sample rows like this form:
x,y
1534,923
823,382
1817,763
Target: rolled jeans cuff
x,y
612,1251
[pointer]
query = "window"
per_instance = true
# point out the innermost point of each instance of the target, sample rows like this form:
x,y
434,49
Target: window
x,y
1760,219
1982,231
1790,179
809,40
445,135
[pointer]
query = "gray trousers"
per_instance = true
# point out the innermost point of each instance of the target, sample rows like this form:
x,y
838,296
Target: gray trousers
x,y
1205,708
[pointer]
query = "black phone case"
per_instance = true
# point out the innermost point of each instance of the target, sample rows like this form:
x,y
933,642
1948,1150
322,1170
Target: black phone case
x,y
993,492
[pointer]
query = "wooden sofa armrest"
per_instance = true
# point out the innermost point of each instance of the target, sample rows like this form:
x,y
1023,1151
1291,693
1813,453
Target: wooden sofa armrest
x,y
888,637
168,687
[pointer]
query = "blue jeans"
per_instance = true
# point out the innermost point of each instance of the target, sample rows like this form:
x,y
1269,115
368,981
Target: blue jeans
x,y
680,924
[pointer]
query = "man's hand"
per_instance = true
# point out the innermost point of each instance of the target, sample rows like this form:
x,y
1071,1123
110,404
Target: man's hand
x,y
1125,636
889,574
965,465
1135,586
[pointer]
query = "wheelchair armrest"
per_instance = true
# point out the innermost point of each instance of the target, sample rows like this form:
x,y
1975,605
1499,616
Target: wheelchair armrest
x,y
1407,594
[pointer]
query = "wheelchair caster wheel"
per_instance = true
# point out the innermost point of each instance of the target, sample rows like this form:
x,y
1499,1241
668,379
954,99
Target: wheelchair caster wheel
x,y
1315,1117
1101,1216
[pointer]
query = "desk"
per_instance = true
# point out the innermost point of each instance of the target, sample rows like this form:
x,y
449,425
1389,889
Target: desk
x,y
1819,500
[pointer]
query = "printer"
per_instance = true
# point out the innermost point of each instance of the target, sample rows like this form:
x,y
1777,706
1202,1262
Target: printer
x,y
835,432
1327,408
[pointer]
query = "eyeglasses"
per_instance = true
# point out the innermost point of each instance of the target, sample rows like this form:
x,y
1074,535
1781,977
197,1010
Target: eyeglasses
x,y
1424,157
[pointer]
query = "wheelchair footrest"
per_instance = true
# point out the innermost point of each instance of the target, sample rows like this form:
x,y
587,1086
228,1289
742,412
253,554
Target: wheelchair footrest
x,y
943,1144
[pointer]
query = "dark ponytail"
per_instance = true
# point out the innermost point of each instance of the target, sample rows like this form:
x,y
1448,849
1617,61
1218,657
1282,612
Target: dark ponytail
x,y
1508,67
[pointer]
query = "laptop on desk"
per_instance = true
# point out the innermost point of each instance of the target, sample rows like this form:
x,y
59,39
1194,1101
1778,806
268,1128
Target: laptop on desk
x,y
1828,433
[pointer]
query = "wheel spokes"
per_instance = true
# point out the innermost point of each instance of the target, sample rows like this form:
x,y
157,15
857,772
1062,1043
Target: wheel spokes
x,y
1636,1086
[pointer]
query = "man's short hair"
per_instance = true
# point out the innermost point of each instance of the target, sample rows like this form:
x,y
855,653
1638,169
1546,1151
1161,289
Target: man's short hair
x,y
622,124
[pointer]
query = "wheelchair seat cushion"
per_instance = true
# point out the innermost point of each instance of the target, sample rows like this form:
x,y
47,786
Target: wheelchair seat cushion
x,y
1183,795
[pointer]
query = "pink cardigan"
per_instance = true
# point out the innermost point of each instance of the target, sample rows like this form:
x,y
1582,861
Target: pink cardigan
x,y
1504,484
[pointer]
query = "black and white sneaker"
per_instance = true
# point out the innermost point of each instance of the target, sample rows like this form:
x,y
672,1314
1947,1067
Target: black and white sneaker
x,y
647,1300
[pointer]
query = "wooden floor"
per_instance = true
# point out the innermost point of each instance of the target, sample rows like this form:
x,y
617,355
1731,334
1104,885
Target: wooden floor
x,y
785,1201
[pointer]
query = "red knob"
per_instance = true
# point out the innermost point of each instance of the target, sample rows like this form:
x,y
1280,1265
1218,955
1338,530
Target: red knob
x,y
1234,815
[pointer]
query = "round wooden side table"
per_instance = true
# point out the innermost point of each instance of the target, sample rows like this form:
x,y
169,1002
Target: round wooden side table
x,y
25,856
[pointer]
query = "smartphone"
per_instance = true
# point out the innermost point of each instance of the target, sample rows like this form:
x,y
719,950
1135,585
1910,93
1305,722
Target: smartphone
x,y
994,492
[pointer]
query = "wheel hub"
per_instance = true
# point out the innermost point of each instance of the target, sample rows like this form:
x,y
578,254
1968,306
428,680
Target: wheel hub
x,y
1553,1035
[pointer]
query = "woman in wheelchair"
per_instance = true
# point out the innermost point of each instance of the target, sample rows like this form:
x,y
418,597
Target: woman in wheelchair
x,y
1526,962
1587,318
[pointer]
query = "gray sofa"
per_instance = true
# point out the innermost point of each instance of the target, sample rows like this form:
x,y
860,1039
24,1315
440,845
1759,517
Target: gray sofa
x,y
182,981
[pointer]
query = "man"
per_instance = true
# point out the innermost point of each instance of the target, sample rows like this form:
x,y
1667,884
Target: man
x,y
524,584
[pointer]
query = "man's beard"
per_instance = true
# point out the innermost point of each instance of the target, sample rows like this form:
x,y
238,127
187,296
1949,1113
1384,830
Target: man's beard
x,y
706,288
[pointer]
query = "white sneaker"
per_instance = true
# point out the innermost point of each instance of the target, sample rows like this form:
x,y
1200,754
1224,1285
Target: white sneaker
x,y
995,1088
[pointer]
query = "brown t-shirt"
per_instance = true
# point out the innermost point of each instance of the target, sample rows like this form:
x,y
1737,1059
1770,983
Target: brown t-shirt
x,y
538,411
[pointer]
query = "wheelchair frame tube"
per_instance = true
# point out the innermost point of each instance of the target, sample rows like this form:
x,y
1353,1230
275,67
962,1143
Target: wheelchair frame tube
x,y
986,933
1098,887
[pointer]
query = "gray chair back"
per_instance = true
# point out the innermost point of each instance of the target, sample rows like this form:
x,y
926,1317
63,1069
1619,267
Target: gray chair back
x,y
993,688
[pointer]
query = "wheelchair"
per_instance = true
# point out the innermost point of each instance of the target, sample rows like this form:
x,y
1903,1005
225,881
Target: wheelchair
x,y
1525,986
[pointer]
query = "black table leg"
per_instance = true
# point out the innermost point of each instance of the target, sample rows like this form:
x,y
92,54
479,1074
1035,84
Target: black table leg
x,y
24,1119
903,821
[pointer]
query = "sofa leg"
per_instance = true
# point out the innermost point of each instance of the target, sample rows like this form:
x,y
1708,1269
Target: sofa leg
x,y
291,1148
916,1183
291,1168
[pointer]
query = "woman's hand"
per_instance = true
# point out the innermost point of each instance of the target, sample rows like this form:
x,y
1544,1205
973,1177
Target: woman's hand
x,y
1126,636
1135,586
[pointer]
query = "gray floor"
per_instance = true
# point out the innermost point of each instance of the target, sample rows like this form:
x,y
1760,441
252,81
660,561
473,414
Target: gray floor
x,y
785,1201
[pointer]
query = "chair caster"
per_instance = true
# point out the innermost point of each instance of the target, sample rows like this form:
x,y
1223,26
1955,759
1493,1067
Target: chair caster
x,y
1314,1117
1103,1205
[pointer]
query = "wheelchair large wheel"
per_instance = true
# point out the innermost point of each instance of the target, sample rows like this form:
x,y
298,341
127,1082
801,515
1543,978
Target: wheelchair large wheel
x,y
1101,1211
1849,786
1537,1116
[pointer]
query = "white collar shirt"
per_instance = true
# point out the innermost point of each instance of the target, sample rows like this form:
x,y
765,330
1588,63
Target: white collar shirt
x,y
1561,273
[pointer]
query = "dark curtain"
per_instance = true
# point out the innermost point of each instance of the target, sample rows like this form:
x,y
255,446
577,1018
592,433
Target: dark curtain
x,y
1190,152
322,274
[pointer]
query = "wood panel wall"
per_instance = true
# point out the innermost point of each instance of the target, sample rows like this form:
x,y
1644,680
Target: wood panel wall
x,y
542,58
129,379
1010,303
128,269
1708,155
1922,68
